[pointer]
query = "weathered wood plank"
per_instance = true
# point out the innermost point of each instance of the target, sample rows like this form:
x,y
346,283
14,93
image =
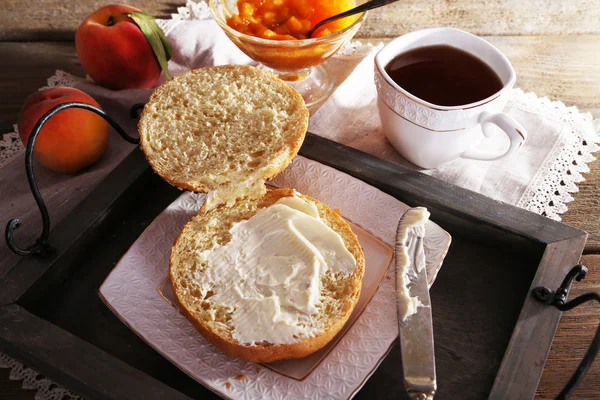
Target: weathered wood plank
x,y
58,19
565,68
575,331
492,17
22,20
584,211
25,67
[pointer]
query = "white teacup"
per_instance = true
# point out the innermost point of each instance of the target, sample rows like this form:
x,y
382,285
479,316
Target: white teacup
x,y
429,135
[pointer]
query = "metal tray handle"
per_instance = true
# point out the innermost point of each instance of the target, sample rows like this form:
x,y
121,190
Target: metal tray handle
x,y
41,247
558,299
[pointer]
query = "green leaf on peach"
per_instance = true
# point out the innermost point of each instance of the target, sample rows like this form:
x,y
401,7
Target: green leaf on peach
x,y
156,38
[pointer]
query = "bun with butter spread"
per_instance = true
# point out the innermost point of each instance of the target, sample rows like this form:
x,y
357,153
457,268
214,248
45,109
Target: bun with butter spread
x,y
262,274
275,297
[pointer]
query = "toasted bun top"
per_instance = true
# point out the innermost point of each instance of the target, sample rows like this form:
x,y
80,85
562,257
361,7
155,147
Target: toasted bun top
x,y
217,126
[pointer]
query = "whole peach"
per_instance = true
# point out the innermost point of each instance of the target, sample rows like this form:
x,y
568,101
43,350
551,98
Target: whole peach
x,y
113,50
70,140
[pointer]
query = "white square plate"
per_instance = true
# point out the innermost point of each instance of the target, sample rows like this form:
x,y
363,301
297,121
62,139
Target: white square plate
x,y
136,292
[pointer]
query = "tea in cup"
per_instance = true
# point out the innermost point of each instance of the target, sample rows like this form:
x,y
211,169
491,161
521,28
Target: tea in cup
x,y
438,92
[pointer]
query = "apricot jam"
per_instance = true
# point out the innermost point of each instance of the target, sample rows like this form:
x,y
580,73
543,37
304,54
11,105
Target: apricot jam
x,y
289,19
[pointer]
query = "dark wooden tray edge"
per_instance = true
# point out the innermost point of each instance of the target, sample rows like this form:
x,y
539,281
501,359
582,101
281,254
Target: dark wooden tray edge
x,y
530,342
74,363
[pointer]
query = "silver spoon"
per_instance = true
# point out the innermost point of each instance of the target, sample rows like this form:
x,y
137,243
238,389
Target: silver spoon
x,y
356,10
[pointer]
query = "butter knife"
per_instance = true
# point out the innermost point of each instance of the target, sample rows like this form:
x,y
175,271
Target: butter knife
x,y
414,319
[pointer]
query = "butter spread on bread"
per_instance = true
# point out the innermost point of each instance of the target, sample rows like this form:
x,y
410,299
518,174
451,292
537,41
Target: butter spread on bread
x,y
200,297
268,274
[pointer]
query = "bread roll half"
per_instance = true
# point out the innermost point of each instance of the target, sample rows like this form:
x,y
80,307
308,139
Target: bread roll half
x,y
338,295
218,126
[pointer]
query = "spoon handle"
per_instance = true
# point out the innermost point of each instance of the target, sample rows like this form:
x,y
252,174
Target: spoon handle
x,y
369,5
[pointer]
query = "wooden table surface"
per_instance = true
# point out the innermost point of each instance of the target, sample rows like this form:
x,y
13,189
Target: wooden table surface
x,y
554,46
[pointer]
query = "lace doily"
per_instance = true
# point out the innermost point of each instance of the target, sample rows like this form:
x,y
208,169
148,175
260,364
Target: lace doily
x,y
192,10
551,188
62,78
10,147
46,389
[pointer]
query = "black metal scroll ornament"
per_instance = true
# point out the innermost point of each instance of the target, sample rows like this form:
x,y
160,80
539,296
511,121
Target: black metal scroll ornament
x,y
558,299
41,247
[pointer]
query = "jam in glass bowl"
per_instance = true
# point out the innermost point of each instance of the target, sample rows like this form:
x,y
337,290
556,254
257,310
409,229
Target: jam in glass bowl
x,y
299,62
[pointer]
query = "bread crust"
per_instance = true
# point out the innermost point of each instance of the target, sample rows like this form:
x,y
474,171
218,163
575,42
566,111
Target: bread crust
x,y
262,353
299,126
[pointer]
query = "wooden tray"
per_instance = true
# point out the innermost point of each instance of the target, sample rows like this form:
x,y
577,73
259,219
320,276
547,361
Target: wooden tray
x,y
491,336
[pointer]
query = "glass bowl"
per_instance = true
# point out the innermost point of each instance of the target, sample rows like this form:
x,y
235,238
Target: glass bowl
x,y
298,62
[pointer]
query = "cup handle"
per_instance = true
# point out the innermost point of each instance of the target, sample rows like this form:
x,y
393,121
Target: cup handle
x,y
514,130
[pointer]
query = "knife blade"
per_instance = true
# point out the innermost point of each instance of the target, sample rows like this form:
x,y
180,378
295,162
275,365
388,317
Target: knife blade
x,y
416,329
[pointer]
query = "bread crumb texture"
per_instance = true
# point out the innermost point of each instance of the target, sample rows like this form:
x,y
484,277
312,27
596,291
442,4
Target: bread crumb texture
x,y
213,127
338,292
